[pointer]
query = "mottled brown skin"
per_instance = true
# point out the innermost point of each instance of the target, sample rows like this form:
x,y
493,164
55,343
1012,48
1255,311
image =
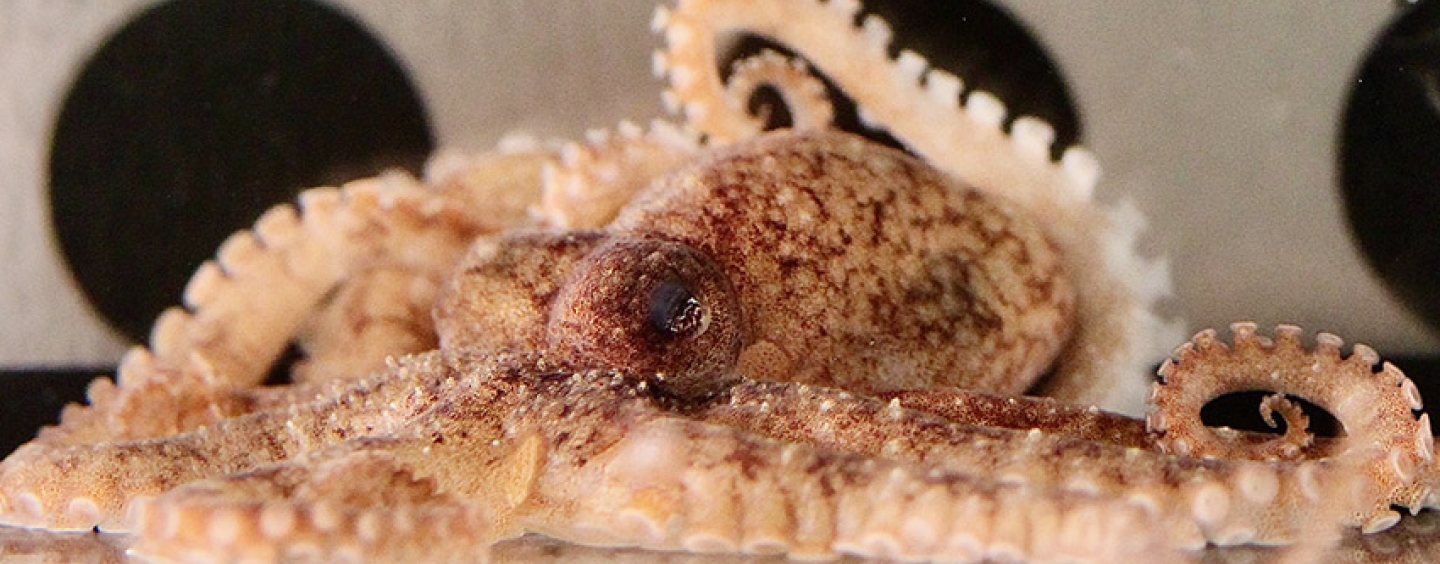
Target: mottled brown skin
x,y
474,453
668,445
812,257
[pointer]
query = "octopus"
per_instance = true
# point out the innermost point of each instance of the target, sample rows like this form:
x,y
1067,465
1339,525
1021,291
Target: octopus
x,y
707,337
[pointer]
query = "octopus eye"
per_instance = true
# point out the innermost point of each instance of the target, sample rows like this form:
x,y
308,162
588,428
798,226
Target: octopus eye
x,y
657,311
674,311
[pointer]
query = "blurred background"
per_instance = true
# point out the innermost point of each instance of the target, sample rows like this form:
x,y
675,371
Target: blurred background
x,y
1287,153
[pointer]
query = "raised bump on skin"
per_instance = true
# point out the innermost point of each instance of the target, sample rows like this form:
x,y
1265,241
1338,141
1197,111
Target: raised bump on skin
x,y
880,531
766,528
1411,393
325,517
402,519
304,551
1209,503
1309,482
1010,532
1258,483
974,521
137,509
1402,464
814,514
28,504
920,523
83,509
277,521
224,527
711,517
1079,531
1042,526
851,508
1235,534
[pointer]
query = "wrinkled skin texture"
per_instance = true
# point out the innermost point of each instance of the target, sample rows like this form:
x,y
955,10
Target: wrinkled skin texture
x,y
815,258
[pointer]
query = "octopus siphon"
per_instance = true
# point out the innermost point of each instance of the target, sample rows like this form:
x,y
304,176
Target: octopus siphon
x,y
706,337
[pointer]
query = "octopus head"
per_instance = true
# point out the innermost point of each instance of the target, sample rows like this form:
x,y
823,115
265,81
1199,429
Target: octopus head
x,y
649,307
657,311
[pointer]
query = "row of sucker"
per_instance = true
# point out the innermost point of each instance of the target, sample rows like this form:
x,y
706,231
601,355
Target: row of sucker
x,y
277,531
1386,436
675,484
589,182
938,127
1118,333
244,307
803,93
56,487
1221,502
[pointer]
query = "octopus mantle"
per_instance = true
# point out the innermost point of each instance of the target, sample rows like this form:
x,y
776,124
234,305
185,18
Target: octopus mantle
x,y
710,338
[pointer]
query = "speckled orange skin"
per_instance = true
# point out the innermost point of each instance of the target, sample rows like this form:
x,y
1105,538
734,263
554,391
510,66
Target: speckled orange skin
x,y
674,444
816,257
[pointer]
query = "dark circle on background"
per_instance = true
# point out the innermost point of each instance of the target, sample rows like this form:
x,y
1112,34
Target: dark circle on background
x,y
1390,158
197,116
983,44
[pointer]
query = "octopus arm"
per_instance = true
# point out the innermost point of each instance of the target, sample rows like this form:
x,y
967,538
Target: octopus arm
x,y
356,502
1081,422
1387,440
243,308
80,486
1222,502
588,183
647,477
673,483
1118,334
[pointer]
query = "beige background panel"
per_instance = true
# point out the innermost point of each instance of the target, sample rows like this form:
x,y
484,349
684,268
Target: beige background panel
x,y
520,75
43,318
1220,124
